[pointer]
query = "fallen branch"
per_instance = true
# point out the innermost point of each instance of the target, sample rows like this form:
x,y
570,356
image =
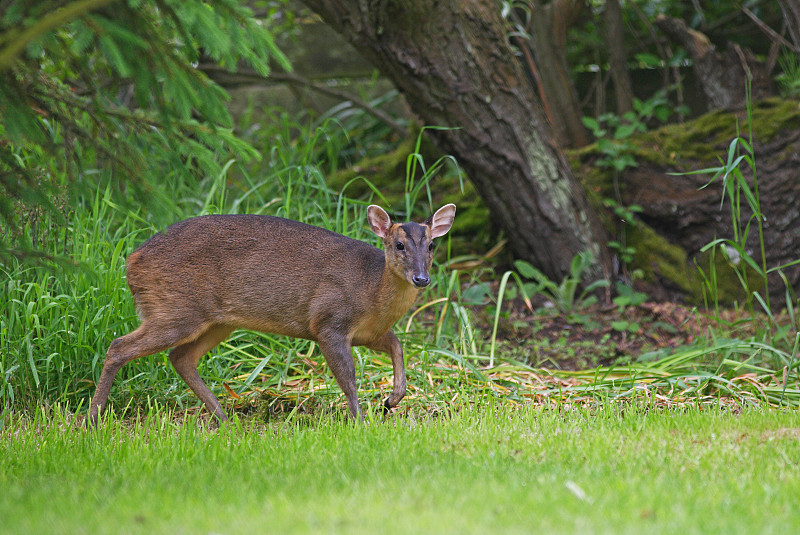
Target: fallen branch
x,y
772,34
248,77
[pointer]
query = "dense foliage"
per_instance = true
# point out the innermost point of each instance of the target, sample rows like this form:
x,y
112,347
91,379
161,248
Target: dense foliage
x,y
97,91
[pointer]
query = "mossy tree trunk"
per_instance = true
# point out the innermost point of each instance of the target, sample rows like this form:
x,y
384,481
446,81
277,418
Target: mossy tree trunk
x,y
454,65
683,213
679,210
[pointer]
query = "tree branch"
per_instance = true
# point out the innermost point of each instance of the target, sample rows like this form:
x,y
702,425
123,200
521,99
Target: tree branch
x,y
18,41
772,34
217,74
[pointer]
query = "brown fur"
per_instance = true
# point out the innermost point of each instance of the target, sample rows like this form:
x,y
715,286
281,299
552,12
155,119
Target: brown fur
x,y
200,279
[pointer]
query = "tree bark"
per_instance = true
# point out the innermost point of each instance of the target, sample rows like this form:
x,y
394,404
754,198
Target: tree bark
x,y
678,209
686,214
722,76
623,89
454,65
548,43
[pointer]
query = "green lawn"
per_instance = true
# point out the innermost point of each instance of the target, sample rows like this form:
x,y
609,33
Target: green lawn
x,y
489,470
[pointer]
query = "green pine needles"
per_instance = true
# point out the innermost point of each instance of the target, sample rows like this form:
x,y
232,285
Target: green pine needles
x,y
100,91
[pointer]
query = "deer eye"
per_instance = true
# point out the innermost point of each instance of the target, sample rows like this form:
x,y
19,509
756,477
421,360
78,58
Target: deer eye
x,y
430,246
399,245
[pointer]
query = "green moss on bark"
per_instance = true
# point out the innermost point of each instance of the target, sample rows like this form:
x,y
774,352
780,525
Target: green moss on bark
x,y
681,147
685,145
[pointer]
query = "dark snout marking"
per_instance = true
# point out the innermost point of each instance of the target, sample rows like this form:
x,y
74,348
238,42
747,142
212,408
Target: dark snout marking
x,y
418,235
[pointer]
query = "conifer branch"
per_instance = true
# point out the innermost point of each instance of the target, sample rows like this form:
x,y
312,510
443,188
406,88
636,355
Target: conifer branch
x,y
17,41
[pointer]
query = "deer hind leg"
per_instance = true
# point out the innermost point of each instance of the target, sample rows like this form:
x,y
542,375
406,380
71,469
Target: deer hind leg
x,y
148,339
339,356
185,357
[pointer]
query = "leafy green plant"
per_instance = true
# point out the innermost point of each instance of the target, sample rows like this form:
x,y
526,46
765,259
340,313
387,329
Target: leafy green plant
x,y
614,148
612,132
563,294
626,216
626,298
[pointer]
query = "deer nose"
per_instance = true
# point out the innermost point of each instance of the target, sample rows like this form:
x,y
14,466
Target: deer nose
x,y
421,281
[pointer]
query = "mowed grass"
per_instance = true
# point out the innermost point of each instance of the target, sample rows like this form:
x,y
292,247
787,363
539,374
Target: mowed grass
x,y
490,468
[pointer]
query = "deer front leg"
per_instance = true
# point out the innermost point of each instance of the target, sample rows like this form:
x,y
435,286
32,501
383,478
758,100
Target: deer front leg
x,y
389,343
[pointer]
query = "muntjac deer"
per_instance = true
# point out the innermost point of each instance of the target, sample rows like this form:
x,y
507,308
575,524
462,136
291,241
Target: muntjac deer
x,y
200,279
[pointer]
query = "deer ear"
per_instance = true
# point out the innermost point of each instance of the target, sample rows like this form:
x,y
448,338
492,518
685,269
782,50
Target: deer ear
x,y
442,220
379,220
